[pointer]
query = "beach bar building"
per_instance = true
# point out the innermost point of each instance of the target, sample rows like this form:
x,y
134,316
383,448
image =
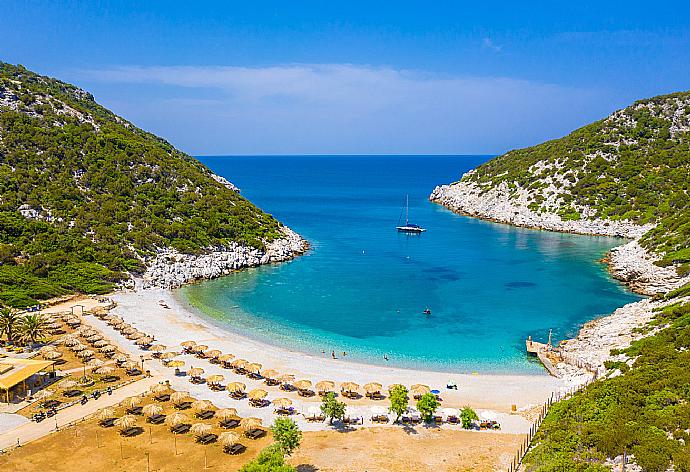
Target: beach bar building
x,y
19,376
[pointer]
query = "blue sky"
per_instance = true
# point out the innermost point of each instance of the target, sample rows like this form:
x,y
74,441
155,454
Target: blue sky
x,y
355,77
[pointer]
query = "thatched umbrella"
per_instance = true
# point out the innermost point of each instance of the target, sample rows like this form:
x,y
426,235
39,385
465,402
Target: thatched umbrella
x,y
100,343
176,363
248,424
199,348
196,372
159,388
373,387
131,402
94,363
213,354
214,379
200,429
71,342
179,397
282,402
349,387
269,374
152,409
68,384
52,355
94,337
226,413
46,349
43,394
126,421
77,347
176,418
257,394
239,363
106,413
419,389
302,384
144,341
135,336
121,358
113,319
121,326
228,438
168,355
88,332
188,344
286,378
105,370
253,367
325,386
157,348
202,405
226,357
235,387
107,348
86,354
129,365
128,330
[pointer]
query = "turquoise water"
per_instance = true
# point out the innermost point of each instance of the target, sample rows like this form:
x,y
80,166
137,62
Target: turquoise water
x,y
363,286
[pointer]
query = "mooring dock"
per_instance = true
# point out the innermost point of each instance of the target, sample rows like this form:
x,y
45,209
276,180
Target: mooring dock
x,y
543,353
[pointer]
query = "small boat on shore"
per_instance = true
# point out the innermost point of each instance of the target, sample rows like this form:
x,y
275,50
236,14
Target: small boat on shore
x,y
408,227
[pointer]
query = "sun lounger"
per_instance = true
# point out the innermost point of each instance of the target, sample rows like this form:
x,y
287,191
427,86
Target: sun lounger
x,y
162,398
129,432
180,428
255,433
51,404
258,403
183,405
110,378
438,419
133,372
206,415
196,380
235,449
453,420
285,411
306,393
156,419
135,410
238,395
229,424
107,423
207,438
72,393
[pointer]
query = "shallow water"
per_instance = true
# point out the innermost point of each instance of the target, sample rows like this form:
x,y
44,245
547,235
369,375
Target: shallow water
x,y
363,286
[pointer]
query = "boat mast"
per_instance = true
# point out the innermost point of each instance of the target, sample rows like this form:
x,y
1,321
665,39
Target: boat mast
x,y
407,209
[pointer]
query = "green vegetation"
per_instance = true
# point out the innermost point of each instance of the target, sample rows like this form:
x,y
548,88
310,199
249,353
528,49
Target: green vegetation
x,y
33,327
399,400
467,415
332,408
645,411
427,406
270,459
633,165
286,434
99,195
9,320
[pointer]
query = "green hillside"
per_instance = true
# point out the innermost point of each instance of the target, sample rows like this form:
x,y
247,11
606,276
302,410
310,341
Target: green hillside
x,y
634,165
85,195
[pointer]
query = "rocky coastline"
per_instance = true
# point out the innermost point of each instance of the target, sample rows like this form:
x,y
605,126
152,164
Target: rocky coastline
x,y
171,269
582,357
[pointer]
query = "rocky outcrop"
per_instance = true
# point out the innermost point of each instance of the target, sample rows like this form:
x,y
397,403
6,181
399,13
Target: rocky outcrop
x,y
630,263
170,268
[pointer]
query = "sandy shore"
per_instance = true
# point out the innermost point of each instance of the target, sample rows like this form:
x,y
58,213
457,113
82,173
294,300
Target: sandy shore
x,y
177,324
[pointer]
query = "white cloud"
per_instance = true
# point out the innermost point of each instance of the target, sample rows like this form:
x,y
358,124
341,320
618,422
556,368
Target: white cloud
x,y
487,43
338,108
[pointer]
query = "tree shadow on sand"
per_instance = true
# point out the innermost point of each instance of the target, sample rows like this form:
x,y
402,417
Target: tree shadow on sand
x,y
306,468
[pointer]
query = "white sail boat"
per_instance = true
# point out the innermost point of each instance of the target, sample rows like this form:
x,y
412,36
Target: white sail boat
x,y
408,227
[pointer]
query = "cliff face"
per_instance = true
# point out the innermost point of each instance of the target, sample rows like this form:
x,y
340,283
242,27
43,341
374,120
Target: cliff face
x,y
87,199
627,175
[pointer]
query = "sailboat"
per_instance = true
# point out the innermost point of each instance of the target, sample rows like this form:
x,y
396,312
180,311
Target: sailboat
x,y
408,227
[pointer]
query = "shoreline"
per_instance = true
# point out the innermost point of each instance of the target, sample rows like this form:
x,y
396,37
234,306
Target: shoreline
x,y
496,392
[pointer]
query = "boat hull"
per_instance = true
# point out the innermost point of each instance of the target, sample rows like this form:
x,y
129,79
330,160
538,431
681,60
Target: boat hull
x,y
408,229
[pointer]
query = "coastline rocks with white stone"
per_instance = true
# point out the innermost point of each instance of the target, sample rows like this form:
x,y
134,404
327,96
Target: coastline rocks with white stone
x,y
171,269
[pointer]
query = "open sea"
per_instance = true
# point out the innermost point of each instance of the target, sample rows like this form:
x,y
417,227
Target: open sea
x,y
363,286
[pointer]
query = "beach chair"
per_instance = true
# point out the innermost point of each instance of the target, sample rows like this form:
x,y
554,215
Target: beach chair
x,y
129,432
206,415
135,410
453,420
107,422
207,438
305,393
72,393
163,397
156,419
183,405
235,449
110,378
180,428
255,433
229,423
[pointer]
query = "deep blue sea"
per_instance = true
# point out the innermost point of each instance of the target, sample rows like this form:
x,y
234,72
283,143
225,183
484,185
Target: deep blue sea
x,y
363,286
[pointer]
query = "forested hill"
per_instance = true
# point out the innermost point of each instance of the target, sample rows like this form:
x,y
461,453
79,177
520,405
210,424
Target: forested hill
x,y
85,195
633,165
